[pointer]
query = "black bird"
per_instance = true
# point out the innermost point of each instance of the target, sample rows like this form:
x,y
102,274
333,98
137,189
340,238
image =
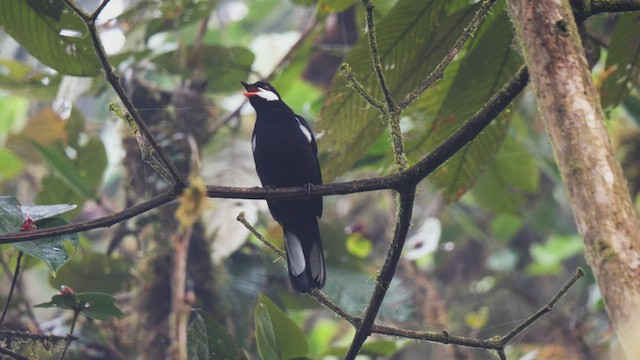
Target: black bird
x,y
286,155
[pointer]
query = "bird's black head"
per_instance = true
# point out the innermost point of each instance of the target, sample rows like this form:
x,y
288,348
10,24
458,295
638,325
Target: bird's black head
x,y
262,95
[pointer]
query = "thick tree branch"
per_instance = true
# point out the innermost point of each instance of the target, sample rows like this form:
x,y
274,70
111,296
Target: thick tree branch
x,y
585,8
467,132
597,191
495,343
101,222
545,309
403,220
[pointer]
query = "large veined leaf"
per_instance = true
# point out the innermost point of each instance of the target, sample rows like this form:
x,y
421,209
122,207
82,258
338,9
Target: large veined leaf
x,y
56,37
208,339
277,336
224,66
65,170
175,14
412,39
489,64
624,57
510,175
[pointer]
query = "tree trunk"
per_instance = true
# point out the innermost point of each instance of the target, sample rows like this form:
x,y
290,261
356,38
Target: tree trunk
x,y
573,118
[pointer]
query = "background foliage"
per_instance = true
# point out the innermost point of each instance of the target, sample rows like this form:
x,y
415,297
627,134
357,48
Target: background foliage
x,y
492,236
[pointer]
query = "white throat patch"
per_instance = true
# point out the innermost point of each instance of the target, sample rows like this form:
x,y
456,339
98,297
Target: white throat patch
x,y
267,95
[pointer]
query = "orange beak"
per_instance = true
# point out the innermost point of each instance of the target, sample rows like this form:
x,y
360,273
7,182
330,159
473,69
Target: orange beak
x,y
251,90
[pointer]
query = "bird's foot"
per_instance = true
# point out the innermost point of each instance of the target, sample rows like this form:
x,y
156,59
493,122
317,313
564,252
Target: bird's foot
x,y
309,188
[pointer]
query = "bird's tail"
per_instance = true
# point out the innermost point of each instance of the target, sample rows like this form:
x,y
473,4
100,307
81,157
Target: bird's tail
x,y
305,258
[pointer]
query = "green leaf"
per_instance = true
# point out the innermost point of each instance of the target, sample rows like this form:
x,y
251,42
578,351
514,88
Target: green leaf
x,y
55,191
488,65
13,112
477,320
61,301
208,339
65,170
99,306
21,79
94,305
52,250
548,257
624,57
277,336
412,39
511,174
225,66
358,245
11,216
10,164
92,161
60,43
94,272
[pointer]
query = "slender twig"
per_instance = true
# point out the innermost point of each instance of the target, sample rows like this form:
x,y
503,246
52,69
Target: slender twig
x,y
241,218
99,9
441,337
545,309
495,343
319,295
390,112
502,355
14,281
113,79
403,220
13,354
438,72
70,336
324,300
375,57
354,84
397,141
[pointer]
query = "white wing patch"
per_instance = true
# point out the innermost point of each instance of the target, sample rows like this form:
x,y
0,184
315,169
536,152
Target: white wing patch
x,y
304,130
253,143
316,261
295,253
267,95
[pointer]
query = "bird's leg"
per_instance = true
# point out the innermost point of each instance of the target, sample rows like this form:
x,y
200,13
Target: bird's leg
x,y
309,187
269,189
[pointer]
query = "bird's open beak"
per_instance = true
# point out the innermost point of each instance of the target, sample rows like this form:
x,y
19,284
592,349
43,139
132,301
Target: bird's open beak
x,y
251,90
